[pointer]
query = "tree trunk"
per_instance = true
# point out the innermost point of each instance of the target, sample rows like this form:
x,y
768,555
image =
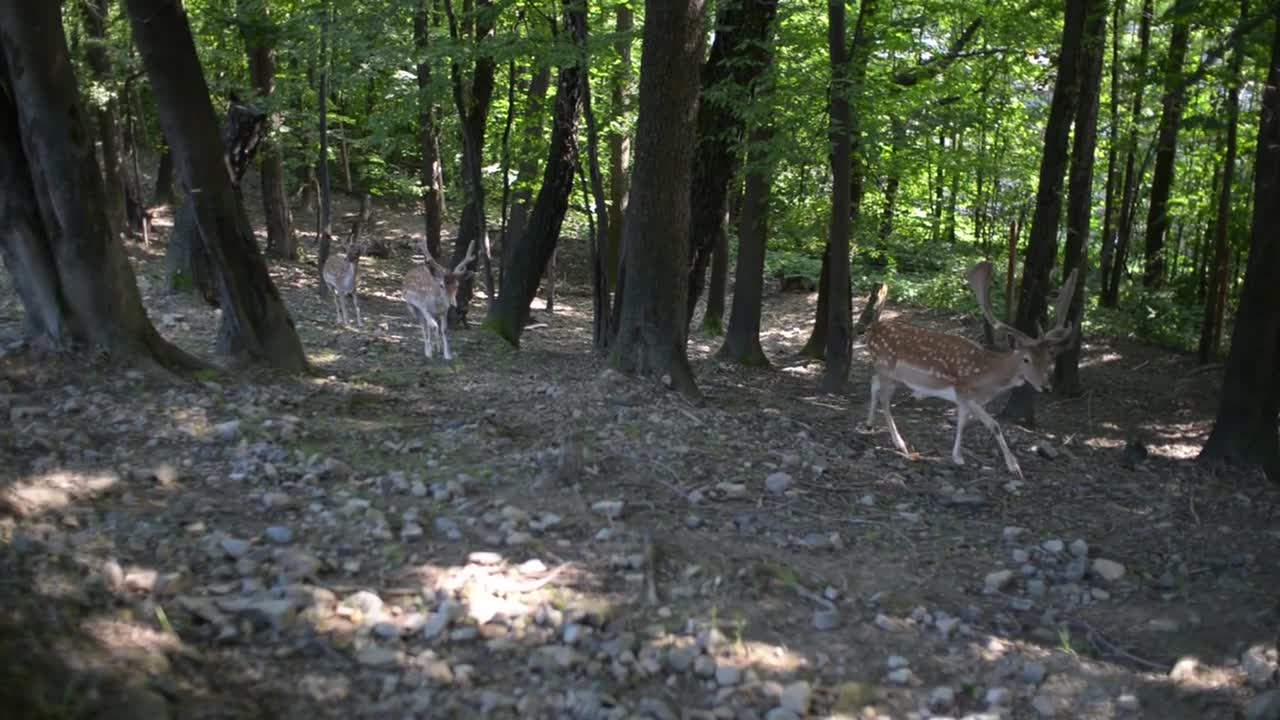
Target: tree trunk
x,y
742,341
531,253
652,329
1216,296
740,53
839,315
324,195
713,316
953,192
257,30
1246,426
1166,151
95,19
473,114
899,132
255,323
602,313
527,169
71,273
163,194
429,133
1042,242
1066,371
619,142
1113,138
1129,185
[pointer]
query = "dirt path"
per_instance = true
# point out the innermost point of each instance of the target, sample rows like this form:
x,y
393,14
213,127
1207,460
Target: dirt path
x,y
528,534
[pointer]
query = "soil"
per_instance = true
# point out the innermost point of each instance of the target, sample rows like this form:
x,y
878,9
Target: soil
x,y
530,534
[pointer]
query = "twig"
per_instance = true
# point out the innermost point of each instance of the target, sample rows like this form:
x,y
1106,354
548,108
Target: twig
x,y
811,596
1140,365
1106,647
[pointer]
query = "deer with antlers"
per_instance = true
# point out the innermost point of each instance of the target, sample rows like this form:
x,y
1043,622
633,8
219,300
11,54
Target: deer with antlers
x,y
430,290
954,368
341,274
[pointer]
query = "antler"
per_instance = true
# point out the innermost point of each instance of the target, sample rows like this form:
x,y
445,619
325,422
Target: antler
x,y
471,255
1062,329
980,282
431,261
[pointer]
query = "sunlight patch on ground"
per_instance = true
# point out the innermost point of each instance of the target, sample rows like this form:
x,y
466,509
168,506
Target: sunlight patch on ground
x,y
54,490
805,370
134,643
1091,359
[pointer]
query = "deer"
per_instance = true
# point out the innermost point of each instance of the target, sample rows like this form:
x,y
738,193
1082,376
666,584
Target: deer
x,y
429,291
955,368
341,274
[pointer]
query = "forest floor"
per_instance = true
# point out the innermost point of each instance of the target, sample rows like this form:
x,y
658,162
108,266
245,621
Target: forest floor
x,y
529,534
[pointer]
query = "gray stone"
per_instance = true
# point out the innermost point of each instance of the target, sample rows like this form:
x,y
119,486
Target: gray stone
x,y
778,483
1054,546
727,675
234,548
901,676
385,631
377,656
279,534
1043,706
998,697
796,697
610,509
1108,570
1033,673
366,602
896,662
941,698
1260,668
825,620
1128,702
781,713
997,580
1264,707
1080,548
656,709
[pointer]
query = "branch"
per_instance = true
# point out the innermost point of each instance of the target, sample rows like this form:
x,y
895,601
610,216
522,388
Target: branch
x,y
1232,40
455,71
937,65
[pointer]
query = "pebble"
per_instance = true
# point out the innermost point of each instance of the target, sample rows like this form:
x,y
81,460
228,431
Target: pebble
x,y
781,713
941,698
448,528
1043,706
824,620
1258,666
279,534
727,675
1012,532
376,656
796,697
610,509
227,431
1033,673
385,631
366,602
998,697
1020,556
901,676
896,662
997,580
778,483
1108,570
1054,546
1163,624
1080,548
1264,707
235,549
1128,702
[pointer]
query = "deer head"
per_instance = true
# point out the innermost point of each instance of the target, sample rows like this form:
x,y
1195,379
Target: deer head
x,y
451,278
1035,355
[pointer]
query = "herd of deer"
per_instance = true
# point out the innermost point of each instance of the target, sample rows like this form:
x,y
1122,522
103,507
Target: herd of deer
x,y
930,363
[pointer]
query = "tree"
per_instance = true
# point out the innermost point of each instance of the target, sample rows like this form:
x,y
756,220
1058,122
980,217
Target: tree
x,y
839,310
472,103
259,33
1042,241
256,326
740,53
1166,151
96,52
324,201
529,255
1109,204
71,273
1066,371
527,168
652,330
742,341
619,140
1216,293
1245,429
429,132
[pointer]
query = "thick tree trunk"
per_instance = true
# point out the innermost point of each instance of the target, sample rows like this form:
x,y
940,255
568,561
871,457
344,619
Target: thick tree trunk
x,y
652,332
1166,151
428,133
257,30
1108,254
713,315
1246,426
71,273
536,246
473,114
527,169
619,142
164,178
1066,372
839,314
1129,185
742,341
255,323
1216,296
1042,242
602,313
740,53
95,19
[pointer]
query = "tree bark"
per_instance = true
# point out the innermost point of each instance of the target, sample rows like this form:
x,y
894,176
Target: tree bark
x,y
619,142
473,114
1066,372
72,275
899,133
839,313
258,32
256,326
95,19
742,341
1166,151
537,245
652,332
1129,185
1216,295
602,312
324,195
164,178
1109,234
713,316
1245,429
527,169
740,53
1042,241
429,133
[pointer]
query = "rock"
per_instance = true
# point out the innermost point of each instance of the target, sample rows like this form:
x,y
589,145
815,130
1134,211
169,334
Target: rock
x,y
385,631
411,531
727,675
550,658
997,580
825,620
1054,546
1260,668
796,697
1020,556
781,713
778,483
517,538
279,534
941,698
366,602
656,709
946,626
901,676
234,548
227,431
1074,571
1046,451
1264,707
680,658
704,666
1033,673
610,509
1184,670
1163,624
1108,570
436,624
897,661
998,697
377,656
1080,548
1012,532
448,528
1127,702
1043,706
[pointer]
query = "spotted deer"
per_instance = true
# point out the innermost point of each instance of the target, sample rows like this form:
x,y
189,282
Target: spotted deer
x,y
341,274
429,291
954,368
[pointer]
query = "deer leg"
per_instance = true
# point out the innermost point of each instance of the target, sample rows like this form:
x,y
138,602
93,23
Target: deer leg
x,y
871,404
355,300
337,302
886,397
1009,460
429,328
962,414
444,336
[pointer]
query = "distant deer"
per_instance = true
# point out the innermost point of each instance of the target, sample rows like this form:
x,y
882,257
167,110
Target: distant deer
x,y
955,368
429,291
341,274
